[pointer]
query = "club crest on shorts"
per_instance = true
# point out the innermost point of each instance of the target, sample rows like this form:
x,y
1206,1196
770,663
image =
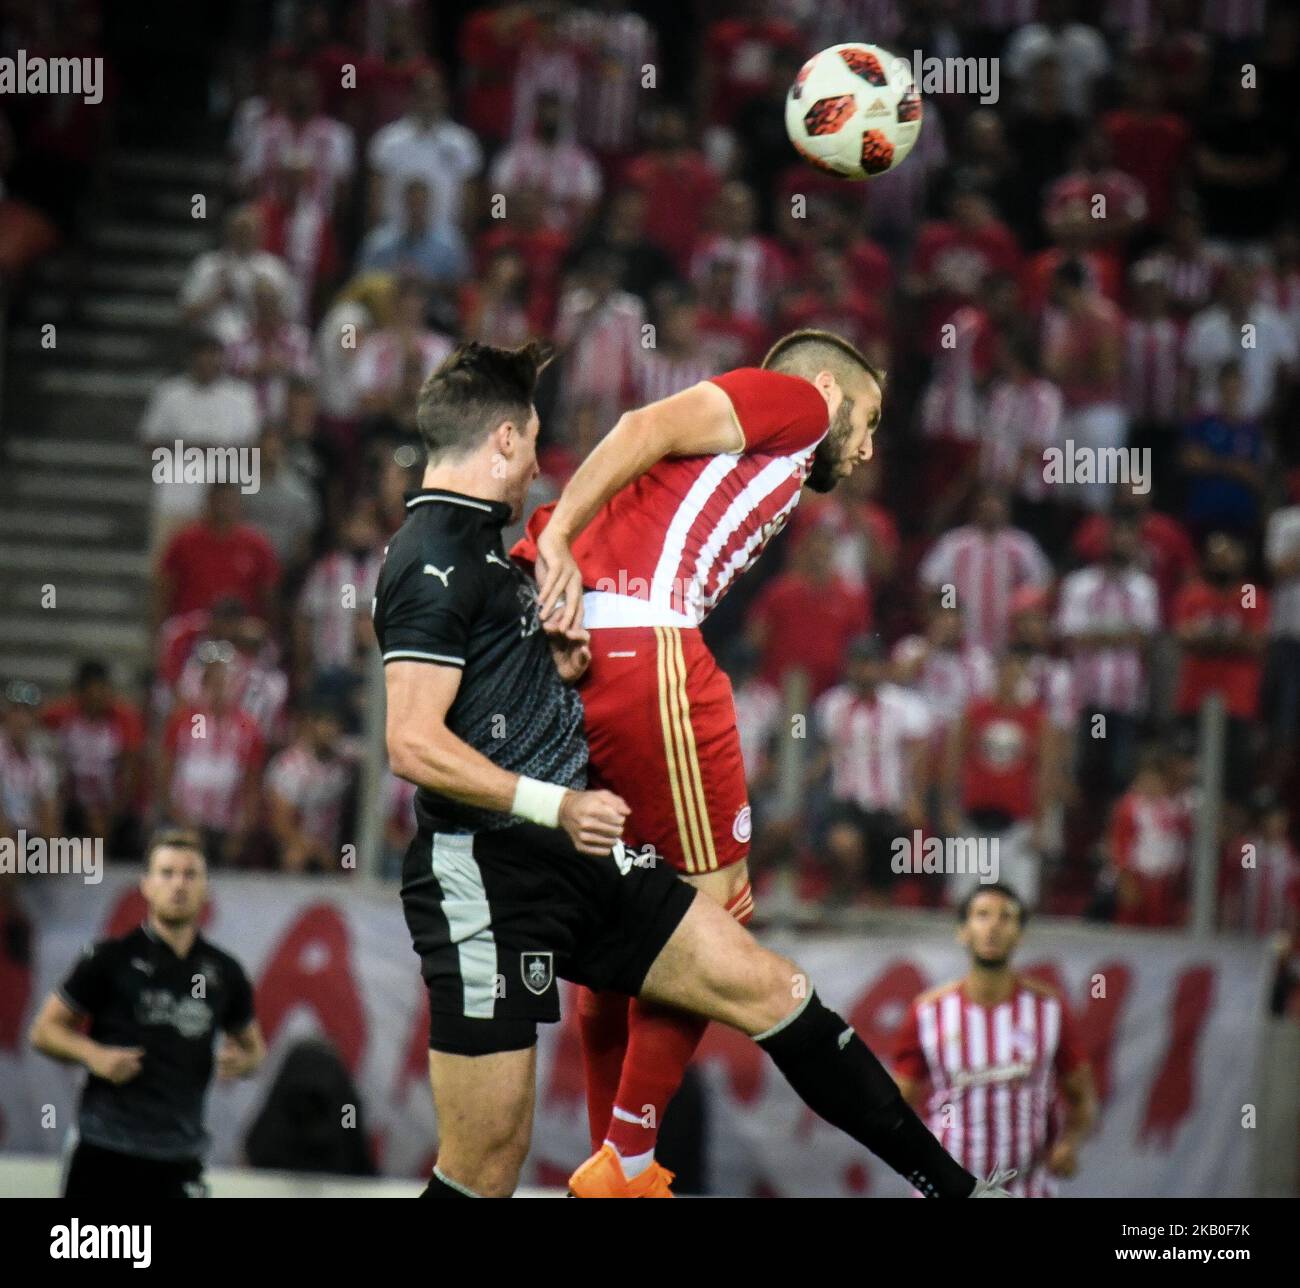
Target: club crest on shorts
x,y
538,971
742,826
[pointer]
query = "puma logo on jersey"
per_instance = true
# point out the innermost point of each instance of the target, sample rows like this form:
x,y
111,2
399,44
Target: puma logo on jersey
x,y
845,1038
493,558
140,964
431,571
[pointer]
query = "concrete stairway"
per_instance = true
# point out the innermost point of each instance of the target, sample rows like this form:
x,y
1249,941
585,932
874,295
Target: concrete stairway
x,y
74,479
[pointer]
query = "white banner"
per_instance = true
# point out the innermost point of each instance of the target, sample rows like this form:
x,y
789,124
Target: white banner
x,y
1173,1028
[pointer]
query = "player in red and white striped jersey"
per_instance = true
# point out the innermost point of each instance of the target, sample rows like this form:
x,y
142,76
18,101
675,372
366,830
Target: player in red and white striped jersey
x,y
993,1059
986,562
655,526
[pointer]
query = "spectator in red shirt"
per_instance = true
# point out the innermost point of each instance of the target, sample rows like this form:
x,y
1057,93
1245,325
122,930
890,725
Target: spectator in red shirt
x,y
954,256
1000,777
215,557
805,618
735,65
832,300
1150,830
678,182
1221,622
1147,142
99,736
1114,202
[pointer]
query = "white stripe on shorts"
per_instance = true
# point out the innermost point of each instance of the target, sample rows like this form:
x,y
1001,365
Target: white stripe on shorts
x,y
469,921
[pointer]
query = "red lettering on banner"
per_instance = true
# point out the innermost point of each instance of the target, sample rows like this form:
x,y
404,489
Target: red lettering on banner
x,y
745,1063
312,967
414,1066
566,1083
878,1013
1170,1096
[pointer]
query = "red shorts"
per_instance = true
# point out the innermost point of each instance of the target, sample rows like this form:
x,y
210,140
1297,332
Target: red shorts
x,y
661,724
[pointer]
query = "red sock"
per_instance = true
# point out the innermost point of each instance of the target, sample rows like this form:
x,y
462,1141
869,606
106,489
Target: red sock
x,y
602,1024
660,1044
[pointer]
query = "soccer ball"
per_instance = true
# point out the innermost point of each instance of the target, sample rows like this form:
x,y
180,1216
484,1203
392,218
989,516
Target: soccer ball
x,y
853,111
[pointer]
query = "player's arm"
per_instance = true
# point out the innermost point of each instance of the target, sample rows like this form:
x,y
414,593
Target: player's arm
x,y
241,1052
424,751
1079,1098
699,421
56,1032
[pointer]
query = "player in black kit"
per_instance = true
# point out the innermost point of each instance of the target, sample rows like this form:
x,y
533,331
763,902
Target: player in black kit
x,y
156,1000
518,874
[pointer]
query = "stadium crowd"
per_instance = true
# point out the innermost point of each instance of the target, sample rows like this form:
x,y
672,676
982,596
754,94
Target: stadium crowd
x,y
987,648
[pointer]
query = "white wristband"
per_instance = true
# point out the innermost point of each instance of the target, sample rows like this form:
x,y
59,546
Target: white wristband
x,y
538,802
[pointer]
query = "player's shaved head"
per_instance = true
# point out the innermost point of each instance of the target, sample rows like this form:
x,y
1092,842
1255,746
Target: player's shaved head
x,y
808,352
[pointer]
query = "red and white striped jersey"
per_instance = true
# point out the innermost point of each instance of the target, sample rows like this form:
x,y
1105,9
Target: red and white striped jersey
x,y
666,548
759,265
1190,280
28,778
92,748
1268,894
381,360
1022,417
328,145
315,789
333,577
868,738
1152,362
993,1074
951,406
617,46
1051,685
1097,598
291,344
657,375
948,678
208,773
986,569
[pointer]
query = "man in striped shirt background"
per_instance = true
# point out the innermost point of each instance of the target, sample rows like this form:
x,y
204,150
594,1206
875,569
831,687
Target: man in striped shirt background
x,y
993,1062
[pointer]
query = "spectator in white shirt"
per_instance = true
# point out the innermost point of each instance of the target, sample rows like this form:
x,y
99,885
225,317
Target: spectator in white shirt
x,y
1079,49
217,292
200,408
1241,328
874,738
425,144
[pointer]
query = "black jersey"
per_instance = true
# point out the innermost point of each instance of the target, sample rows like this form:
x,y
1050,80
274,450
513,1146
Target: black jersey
x,y
448,594
139,993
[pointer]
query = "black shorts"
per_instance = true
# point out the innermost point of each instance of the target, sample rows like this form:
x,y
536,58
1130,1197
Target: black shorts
x,y
498,917
98,1173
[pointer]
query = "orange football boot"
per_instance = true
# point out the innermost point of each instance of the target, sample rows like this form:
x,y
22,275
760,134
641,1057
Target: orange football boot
x,y
601,1177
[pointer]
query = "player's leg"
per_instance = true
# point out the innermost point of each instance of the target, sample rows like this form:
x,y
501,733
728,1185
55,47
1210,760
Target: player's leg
x,y
484,1105
661,726
602,1032
661,1042
712,965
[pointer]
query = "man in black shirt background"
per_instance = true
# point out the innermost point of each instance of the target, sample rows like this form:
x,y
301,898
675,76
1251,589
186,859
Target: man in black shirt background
x,y
155,1000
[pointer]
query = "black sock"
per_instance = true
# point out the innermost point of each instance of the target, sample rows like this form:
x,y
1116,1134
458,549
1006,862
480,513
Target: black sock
x,y
439,1187
837,1077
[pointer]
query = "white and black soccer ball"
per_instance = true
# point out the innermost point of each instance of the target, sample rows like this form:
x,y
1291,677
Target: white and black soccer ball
x,y
853,111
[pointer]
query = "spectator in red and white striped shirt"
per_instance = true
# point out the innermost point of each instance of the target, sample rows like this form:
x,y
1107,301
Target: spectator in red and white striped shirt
x,y
307,787
29,779
674,362
984,563
1153,369
100,736
1260,876
995,1060
273,351
210,768
339,583
1022,420
1108,618
873,736
1191,270
384,359
759,261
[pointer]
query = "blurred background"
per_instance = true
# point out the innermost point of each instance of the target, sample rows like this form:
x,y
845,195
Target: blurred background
x,y
283,215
